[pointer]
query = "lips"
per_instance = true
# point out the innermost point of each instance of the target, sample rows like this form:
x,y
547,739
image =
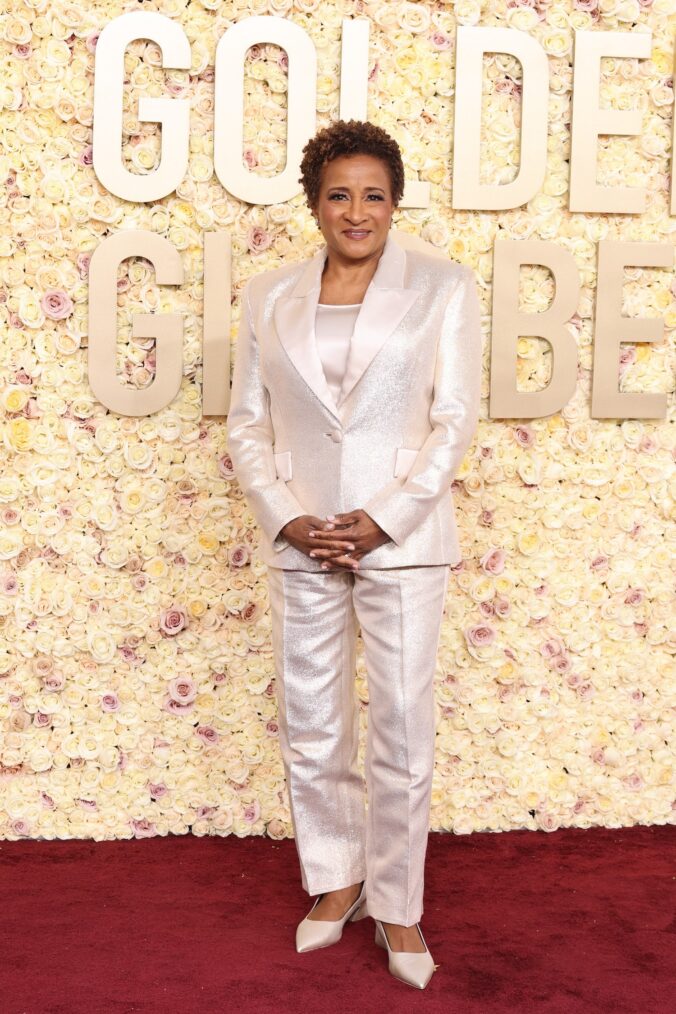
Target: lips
x,y
357,233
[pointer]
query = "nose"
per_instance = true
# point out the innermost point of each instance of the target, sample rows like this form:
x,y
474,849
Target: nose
x,y
356,212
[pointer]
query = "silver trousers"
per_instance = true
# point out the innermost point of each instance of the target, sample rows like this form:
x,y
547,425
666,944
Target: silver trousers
x,y
340,840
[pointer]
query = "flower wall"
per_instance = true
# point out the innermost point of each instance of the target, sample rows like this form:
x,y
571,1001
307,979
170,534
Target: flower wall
x,y
136,669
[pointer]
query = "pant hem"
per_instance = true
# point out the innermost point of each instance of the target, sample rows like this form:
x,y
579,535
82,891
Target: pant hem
x,y
336,885
392,917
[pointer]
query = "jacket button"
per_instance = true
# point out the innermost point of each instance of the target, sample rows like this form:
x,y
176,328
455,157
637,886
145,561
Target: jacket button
x,y
335,435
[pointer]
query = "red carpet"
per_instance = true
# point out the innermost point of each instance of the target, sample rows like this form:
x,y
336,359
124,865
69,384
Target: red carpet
x,y
572,921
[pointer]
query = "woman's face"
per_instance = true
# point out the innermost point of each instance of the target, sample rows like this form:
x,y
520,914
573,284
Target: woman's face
x,y
354,207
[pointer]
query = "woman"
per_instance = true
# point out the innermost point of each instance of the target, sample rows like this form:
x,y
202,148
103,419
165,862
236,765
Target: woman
x,y
355,396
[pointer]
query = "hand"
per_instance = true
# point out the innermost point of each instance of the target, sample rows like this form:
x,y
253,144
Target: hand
x,y
356,526
297,533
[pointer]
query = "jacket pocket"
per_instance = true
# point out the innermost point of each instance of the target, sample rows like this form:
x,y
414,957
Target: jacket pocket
x,y
404,459
283,465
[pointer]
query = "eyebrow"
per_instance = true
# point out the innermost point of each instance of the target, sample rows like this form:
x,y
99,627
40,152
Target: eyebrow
x,y
365,188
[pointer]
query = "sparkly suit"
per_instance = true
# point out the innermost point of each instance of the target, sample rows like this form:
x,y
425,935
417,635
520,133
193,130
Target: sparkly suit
x,y
390,444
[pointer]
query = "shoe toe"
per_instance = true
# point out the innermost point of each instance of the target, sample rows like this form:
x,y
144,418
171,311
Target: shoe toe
x,y
416,969
314,933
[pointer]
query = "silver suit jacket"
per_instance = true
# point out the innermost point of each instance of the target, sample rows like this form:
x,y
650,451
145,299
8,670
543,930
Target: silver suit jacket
x,y
406,415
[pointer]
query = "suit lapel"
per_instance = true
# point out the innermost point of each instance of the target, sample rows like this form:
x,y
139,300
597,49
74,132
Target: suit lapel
x,y
294,317
385,304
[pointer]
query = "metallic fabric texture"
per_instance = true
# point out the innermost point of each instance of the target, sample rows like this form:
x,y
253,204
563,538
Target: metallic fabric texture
x,y
408,406
315,619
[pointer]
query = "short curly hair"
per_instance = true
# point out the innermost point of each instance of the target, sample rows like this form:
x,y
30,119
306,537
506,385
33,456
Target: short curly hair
x,y
350,137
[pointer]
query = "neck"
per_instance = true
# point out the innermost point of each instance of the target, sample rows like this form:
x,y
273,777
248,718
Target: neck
x,y
351,271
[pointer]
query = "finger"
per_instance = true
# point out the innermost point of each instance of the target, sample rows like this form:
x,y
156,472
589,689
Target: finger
x,y
330,552
347,517
346,562
341,534
333,543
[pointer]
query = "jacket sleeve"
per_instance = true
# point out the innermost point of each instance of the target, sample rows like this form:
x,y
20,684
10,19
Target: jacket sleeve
x,y
398,508
251,437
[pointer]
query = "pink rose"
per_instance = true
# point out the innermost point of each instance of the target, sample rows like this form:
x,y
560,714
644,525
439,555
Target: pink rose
x,y
143,828
524,436
561,663
82,261
440,40
238,556
493,562
480,635
250,612
599,563
258,239
54,682
251,813
204,812
20,826
173,620
502,606
226,468
56,304
627,358
157,789
552,647
207,733
507,86
110,702
182,690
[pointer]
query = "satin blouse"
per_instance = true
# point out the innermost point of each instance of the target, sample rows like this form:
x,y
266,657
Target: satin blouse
x,y
334,325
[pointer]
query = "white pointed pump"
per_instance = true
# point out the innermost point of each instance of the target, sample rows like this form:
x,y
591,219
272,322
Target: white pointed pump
x,y
413,967
314,933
